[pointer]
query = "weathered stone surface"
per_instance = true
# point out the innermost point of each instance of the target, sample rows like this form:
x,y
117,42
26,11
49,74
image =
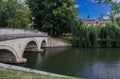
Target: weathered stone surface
x,y
18,46
9,34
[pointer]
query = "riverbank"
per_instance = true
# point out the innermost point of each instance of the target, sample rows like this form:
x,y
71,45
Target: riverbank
x,y
55,42
15,72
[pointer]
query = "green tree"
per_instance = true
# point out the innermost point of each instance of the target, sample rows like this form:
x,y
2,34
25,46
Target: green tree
x,y
118,21
79,33
14,14
85,36
92,36
54,16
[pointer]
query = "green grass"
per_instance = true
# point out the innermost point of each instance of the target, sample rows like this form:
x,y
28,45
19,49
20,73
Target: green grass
x,y
67,39
6,73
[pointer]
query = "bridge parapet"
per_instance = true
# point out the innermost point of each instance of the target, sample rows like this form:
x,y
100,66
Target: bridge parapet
x,y
8,31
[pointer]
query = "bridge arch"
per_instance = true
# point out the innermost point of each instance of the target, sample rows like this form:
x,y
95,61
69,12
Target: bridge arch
x,y
31,45
8,55
43,44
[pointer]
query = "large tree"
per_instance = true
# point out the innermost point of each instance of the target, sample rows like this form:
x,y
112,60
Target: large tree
x,y
54,16
14,14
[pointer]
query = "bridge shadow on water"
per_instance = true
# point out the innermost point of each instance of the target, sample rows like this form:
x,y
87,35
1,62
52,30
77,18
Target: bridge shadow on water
x,y
35,60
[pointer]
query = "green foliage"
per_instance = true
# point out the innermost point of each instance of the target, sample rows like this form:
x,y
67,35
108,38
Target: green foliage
x,y
92,36
84,36
118,21
13,14
54,16
115,9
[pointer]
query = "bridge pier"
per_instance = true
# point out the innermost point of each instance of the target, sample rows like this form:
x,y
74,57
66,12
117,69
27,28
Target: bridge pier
x,y
21,60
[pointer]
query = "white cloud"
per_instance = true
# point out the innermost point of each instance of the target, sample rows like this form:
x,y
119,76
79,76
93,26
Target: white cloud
x,y
108,12
117,1
105,17
77,6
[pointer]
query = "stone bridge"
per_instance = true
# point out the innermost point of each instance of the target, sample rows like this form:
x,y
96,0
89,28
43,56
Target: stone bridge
x,y
14,42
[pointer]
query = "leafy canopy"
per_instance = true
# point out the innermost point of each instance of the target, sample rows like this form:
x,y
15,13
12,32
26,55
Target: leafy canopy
x,y
13,14
54,16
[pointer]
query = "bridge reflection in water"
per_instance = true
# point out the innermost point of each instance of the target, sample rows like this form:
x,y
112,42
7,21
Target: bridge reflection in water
x,y
89,63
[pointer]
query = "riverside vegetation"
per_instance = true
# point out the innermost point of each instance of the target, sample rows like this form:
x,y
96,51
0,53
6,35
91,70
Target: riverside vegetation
x,y
96,36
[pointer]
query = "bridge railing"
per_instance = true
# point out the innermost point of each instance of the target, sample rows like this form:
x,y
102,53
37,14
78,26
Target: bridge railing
x,y
7,31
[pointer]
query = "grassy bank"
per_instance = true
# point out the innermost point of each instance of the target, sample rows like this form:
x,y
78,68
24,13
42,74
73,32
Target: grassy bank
x,y
67,39
6,73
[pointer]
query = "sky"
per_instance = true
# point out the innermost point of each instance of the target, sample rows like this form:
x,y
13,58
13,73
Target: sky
x,y
91,8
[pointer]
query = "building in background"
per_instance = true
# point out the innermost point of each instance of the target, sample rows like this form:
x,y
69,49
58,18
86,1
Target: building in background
x,y
96,22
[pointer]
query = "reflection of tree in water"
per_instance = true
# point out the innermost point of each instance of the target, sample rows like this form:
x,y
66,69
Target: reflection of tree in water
x,y
107,55
95,62
80,62
55,51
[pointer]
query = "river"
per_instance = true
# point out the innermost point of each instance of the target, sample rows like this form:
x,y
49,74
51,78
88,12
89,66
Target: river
x,y
89,63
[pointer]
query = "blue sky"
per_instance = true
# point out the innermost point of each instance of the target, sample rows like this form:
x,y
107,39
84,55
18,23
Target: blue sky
x,y
89,7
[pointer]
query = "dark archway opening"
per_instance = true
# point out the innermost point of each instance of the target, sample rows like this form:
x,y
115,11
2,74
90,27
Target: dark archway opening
x,y
31,51
43,46
31,46
7,56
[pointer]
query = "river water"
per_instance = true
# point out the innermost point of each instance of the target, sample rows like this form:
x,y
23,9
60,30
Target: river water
x,y
89,63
